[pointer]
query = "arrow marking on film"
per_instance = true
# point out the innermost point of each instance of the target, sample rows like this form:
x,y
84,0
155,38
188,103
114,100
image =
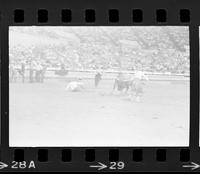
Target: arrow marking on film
x,y
3,165
193,166
100,166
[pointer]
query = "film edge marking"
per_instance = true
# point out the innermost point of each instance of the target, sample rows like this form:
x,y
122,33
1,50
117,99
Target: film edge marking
x,y
99,166
192,165
119,165
3,165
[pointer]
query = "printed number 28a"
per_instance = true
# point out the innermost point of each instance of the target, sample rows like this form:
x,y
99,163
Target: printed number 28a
x,y
116,165
22,165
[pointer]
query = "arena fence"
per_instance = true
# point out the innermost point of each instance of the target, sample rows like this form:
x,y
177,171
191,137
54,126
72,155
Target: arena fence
x,y
111,75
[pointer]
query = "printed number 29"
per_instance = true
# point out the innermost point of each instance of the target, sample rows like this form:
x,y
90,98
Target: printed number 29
x,y
116,165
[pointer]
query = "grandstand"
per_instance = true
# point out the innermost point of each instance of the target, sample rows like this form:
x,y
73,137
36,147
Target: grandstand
x,y
124,48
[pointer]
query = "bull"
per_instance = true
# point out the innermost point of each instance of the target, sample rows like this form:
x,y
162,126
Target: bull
x,y
134,84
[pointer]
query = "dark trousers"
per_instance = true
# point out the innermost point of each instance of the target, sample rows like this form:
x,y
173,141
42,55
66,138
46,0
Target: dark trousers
x,y
31,76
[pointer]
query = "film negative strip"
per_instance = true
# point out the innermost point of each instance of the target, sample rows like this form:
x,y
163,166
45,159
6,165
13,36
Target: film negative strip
x,y
89,85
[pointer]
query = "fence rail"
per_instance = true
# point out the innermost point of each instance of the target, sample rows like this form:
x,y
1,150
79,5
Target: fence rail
x,y
109,75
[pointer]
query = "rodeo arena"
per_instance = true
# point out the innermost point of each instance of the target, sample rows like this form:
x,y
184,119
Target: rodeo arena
x,y
99,86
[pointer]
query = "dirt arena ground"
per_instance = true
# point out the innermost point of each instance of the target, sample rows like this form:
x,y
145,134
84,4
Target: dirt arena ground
x,y
47,115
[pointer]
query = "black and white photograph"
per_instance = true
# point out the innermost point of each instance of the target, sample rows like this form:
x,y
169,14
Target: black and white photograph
x,y
96,86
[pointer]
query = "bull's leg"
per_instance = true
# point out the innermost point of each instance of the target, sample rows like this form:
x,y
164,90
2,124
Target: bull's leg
x,y
132,94
124,90
127,88
23,77
115,85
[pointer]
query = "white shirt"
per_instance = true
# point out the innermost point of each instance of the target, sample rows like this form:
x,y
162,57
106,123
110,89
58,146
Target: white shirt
x,y
74,86
140,75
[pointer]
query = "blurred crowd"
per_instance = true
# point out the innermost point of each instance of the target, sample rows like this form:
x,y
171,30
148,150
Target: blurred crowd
x,y
161,49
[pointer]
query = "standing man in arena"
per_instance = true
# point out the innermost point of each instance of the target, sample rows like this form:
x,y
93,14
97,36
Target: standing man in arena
x,y
38,70
31,71
97,78
43,71
13,72
22,71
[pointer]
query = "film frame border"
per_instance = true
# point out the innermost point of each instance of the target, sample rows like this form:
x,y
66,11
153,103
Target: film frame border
x,y
176,157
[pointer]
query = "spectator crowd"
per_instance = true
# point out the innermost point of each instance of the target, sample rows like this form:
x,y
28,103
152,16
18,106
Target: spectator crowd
x,y
155,49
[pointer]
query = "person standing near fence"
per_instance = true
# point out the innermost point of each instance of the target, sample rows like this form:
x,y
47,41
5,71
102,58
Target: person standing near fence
x,y
97,78
43,71
38,70
13,72
22,71
31,72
